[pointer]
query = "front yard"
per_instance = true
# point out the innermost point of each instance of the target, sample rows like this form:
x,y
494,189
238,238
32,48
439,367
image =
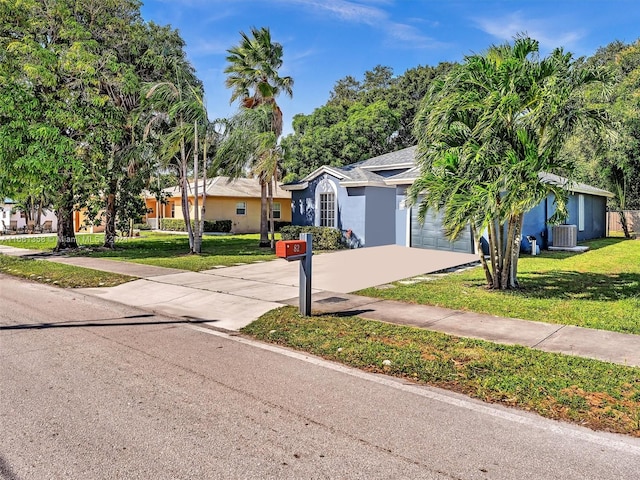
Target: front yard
x,y
161,250
588,392
597,289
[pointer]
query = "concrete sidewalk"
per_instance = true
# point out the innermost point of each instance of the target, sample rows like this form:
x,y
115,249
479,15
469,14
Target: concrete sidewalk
x,y
232,297
614,347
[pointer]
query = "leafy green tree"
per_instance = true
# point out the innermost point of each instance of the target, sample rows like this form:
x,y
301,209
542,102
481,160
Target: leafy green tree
x,y
247,145
73,72
52,113
360,120
486,134
180,107
140,54
253,75
612,161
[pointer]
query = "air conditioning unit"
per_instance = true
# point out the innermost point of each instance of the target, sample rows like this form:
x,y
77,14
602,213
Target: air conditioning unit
x,y
565,235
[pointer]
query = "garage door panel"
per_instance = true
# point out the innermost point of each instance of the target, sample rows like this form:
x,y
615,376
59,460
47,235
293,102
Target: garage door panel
x,y
431,234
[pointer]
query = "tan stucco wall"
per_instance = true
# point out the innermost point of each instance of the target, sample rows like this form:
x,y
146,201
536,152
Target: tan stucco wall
x,y
224,208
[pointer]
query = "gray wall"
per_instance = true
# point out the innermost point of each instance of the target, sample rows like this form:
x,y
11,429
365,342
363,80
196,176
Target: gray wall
x,y
380,216
595,210
369,212
352,204
401,217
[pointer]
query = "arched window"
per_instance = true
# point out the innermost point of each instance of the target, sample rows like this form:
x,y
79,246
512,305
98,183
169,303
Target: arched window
x,y
326,204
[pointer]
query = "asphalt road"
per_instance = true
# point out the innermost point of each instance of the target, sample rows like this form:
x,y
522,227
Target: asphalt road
x,y
96,390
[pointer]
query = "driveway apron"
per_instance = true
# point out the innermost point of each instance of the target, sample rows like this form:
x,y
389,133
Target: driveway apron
x,y
232,297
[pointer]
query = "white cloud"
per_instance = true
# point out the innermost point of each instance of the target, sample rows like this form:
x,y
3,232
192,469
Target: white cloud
x,y
345,10
410,35
550,33
369,13
204,47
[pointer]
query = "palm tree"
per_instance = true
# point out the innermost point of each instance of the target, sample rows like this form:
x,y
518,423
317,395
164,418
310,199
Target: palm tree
x,y
253,76
487,132
182,107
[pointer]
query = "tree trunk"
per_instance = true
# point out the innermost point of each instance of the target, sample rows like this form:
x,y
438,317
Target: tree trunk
x,y
483,261
204,185
515,253
185,205
271,222
495,252
264,235
184,183
508,244
110,216
64,212
197,234
625,225
39,213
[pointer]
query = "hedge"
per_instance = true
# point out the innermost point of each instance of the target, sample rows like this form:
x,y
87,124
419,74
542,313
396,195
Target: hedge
x,y
324,238
172,224
278,225
217,226
178,225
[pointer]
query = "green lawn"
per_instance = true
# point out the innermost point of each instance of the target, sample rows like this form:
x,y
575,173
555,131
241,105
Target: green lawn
x,y
67,276
596,394
163,250
597,289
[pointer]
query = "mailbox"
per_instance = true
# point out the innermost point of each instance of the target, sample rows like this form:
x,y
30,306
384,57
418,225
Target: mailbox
x,y
290,248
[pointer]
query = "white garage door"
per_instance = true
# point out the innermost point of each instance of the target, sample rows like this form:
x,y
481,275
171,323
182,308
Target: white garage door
x,y
431,234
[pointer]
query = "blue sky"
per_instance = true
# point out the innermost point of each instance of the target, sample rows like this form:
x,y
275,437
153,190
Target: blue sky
x,y
325,40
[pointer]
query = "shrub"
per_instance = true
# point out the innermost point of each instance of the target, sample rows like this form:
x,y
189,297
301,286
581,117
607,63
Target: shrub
x,y
173,224
141,226
217,226
277,225
324,238
178,225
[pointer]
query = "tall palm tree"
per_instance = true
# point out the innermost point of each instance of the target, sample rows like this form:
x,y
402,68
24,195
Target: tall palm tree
x,y
182,107
253,76
487,132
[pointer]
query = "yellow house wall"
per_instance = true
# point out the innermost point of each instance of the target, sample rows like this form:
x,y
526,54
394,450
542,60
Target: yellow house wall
x,y
80,220
165,211
224,208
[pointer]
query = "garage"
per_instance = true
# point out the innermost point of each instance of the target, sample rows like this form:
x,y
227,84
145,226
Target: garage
x,y
431,234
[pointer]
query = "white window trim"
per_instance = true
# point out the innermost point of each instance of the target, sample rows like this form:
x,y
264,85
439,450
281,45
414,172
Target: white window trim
x,y
581,213
243,208
277,210
326,186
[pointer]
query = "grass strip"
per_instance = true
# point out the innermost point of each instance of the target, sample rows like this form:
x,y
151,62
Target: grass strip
x,y
160,249
600,395
67,276
597,289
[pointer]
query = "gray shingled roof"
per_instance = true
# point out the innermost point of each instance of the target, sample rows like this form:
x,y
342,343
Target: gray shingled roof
x,y
405,177
573,186
362,172
359,175
406,156
227,187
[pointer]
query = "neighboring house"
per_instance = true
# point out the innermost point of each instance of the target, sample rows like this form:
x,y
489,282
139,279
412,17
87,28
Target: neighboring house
x,y
5,214
367,202
82,222
11,215
237,200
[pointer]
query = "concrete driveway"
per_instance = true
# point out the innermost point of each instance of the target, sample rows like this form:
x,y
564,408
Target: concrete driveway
x,y
346,271
232,297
